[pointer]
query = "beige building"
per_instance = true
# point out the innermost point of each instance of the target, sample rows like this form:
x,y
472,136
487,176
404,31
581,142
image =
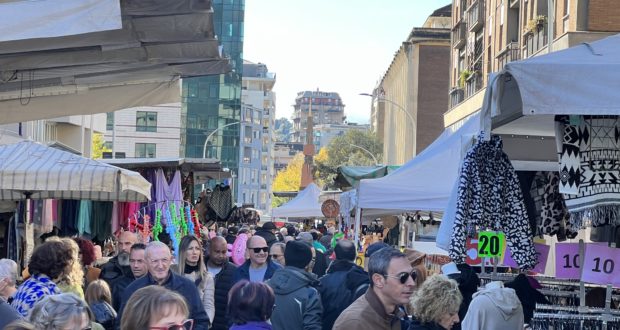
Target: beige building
x,y
327,108
409,101
486,34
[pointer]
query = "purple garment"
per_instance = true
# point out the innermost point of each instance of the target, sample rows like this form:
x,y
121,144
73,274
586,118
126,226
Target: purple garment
x,y
168,192
252,326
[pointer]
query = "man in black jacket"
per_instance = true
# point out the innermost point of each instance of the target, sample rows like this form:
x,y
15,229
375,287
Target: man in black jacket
x,y
267,231
159,258
338,287
118,266
298,304
138,269
222,270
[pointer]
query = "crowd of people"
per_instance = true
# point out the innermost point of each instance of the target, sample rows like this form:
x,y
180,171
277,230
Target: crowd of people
x,y
289,280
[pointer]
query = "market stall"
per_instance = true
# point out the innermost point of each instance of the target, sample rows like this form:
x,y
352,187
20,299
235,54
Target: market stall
x,y
304,205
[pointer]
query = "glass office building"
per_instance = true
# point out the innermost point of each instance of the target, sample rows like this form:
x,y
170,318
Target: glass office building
x,y
211,102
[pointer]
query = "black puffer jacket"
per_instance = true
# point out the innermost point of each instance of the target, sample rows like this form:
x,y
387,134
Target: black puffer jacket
x,y
223,283
337,291
298,304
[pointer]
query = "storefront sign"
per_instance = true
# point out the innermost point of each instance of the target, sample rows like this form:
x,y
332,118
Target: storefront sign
x,y
600,265
567,261
491,244
542,251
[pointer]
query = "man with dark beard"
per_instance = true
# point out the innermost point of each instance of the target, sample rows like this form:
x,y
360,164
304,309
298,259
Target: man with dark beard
x,y
222,270
119,265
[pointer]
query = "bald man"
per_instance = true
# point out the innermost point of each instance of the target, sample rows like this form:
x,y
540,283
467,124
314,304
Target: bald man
x,y
258,268
222,271
119,266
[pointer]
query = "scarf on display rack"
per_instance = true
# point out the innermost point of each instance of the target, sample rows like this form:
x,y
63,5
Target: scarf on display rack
x,y
589,156
489,197
551,215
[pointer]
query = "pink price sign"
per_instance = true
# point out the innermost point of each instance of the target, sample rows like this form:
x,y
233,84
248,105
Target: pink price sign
x,y
567,261
600,264
542,251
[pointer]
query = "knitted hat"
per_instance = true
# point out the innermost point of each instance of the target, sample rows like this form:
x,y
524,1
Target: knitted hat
x,y
297,254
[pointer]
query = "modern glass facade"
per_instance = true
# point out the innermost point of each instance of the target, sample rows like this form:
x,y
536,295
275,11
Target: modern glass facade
x,y
211,102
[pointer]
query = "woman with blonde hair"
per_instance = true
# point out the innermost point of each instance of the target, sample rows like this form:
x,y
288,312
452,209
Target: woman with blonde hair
x,y
61,311
436,304
192,266
73,279
157,308
99,298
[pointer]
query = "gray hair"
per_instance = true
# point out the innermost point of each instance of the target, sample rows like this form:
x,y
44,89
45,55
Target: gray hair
x,y
8,269
59,311
154,245
281,245
379,262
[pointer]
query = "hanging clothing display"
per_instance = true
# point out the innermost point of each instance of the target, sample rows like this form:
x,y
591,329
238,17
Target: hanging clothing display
x,y
69,215
589,155
100,220
489,197
84,217
221,201
554,217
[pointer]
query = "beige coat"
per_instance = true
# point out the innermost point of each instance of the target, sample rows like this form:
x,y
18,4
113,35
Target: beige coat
x,y
206,289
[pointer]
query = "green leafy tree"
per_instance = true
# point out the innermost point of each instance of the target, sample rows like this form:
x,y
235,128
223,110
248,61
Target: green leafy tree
x,y
282,130
345,150
98,146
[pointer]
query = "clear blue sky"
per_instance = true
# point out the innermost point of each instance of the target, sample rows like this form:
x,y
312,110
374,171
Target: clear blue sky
x,y
341,46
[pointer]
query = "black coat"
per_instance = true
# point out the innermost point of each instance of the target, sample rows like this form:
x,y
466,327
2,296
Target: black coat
x,y
111,271
337,292
320,264
118,288
416,325
177,283
223,283
269,237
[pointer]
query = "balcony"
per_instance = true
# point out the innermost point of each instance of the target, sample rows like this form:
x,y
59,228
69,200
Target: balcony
x,y
475,15
457,95
534,41
473,84
509,54
459,35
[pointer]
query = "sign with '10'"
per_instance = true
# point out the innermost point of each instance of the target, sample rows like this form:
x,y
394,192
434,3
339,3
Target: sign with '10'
x,y
599,265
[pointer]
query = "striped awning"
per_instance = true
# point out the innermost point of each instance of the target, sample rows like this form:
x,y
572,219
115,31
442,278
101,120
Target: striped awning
x,y
29,169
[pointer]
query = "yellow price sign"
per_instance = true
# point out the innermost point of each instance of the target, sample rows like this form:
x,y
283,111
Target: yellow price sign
x,y
491,244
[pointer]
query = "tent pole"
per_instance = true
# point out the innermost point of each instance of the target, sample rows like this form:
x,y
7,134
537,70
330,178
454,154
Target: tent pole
x,y
358,219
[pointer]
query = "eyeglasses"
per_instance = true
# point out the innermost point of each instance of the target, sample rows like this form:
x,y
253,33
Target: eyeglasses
x,y
258,249
186,325
404,276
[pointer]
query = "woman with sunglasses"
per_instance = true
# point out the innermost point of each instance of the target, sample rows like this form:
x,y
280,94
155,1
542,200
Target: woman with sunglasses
x,y
156,308
250,305
436,304
192,265
62,311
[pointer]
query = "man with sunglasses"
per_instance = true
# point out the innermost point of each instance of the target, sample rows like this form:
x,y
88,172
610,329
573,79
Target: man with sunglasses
x,y
392,281
259,267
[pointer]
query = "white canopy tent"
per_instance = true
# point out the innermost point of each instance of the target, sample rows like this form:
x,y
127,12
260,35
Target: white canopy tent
x,y
304,205
581,80
425,182
32,170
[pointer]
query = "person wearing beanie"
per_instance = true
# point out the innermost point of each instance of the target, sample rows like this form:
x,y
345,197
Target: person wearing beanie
x,y
267,231
320,264
343,284
298,304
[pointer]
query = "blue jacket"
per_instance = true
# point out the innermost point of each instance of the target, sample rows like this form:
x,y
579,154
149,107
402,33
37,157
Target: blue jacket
x,y
252,326
178,284
243,271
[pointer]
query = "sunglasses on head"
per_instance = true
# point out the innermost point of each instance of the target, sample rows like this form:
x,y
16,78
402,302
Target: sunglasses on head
x,y
404,276
258,249
186,325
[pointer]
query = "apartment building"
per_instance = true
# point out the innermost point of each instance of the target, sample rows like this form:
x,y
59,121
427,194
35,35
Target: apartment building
x,y
487,34
257,140
327,108
284,152
408,103
144,132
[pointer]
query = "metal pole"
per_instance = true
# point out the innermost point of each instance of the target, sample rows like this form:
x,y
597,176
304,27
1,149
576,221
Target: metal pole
x,y
204,147
398,106
366,150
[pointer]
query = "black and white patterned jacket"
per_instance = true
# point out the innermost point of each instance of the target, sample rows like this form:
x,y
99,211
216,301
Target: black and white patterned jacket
x,y
489,197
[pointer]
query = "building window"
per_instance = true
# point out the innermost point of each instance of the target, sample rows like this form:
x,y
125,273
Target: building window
x,y
146,121
107,145
145,150
109,121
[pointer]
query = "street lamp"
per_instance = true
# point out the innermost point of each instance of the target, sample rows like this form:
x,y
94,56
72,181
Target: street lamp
x,y
400,107
368,152
204,148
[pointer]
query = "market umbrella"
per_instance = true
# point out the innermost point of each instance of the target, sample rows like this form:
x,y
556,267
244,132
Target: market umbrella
x,y
32,170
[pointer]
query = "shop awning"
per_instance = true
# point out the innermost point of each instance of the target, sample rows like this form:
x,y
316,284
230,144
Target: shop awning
x,y
93,72
349,176
32,170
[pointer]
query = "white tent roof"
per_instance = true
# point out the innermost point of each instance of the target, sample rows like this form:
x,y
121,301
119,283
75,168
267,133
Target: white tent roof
x,y
426,181
580,80
305,204
86,68
43,172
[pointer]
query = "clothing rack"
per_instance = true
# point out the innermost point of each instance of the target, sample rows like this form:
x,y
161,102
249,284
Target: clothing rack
x,y
576,310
